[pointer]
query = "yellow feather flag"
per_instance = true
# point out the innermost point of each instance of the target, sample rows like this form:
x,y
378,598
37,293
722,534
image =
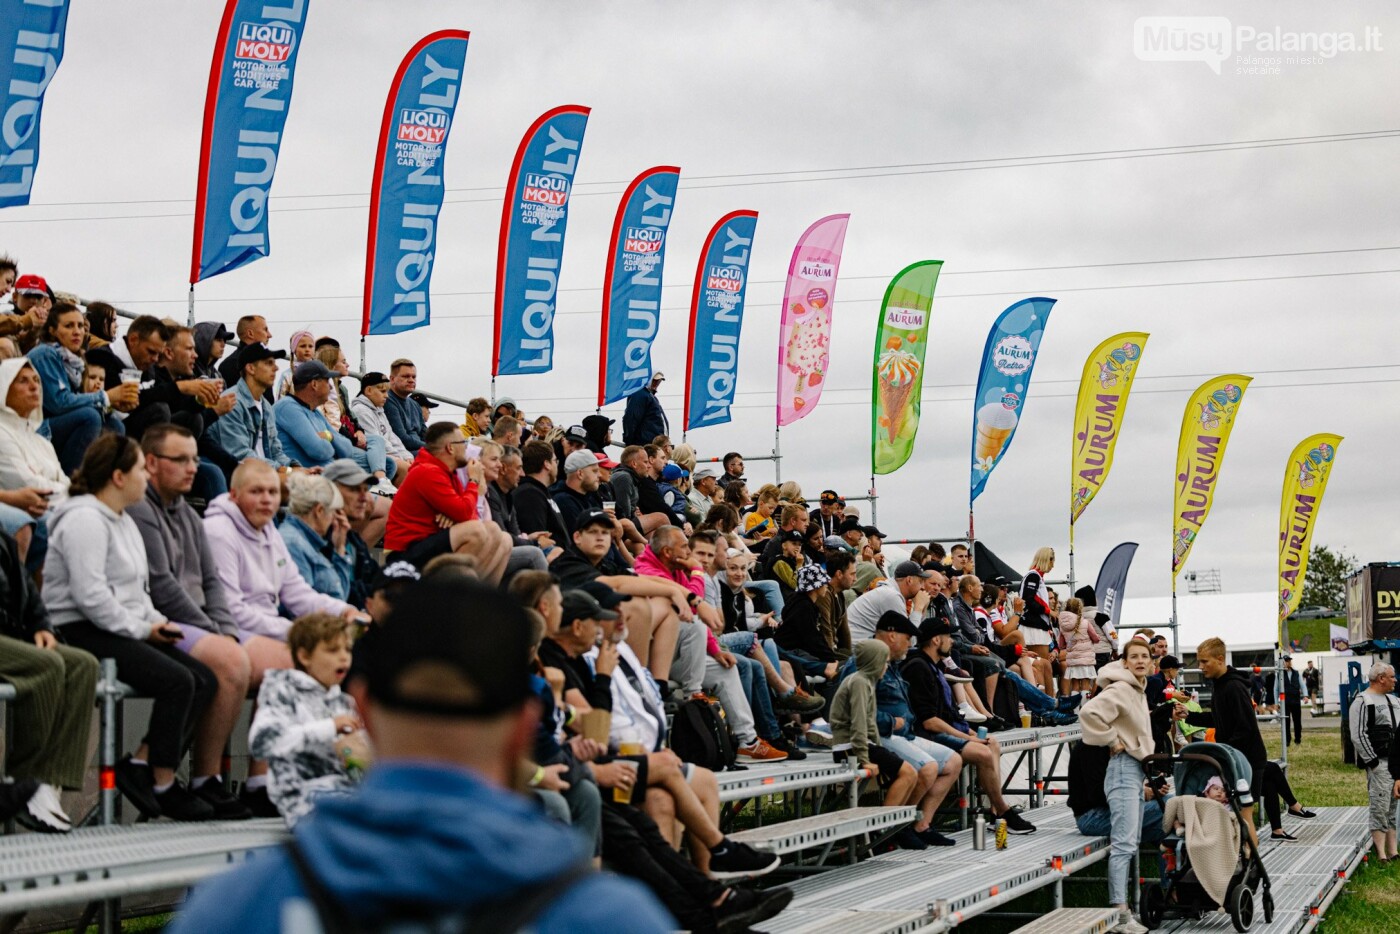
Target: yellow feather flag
x,y
1304,481
1098,415
1205,431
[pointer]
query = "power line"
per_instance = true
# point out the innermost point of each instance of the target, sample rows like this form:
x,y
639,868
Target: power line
x,y
844,278
889,171
858,301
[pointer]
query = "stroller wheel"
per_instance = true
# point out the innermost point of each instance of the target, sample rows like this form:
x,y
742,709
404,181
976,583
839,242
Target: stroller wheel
x,y
1268,907
1153,905
1241,904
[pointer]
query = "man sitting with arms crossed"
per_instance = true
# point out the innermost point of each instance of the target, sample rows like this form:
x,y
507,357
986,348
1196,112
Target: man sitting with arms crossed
x,y
249,429
433,513
936,717
904,594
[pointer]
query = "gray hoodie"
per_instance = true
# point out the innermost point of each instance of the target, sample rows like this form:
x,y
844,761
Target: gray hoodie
x,y
184,584
96,570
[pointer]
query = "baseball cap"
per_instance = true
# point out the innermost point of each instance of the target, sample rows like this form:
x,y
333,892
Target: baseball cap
x,y
608,598
791,535
223,333
702,473
598,423
1163,662
576,434
580,604
851,512
253,353
672,472
423,400
605,461
837,543
475,639
1171,661
393,576
346,472
309,371
850,524
830,496
872,532
579,460
933,626
373,378
909,569
31,285
593,517
894,621
657,376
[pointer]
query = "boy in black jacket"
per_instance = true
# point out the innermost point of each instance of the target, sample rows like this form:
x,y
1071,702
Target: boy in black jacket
x,y
1232,715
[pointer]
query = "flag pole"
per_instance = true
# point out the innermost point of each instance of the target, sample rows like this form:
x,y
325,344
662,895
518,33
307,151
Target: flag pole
x,y
778,454
1071,559
362,353
191,307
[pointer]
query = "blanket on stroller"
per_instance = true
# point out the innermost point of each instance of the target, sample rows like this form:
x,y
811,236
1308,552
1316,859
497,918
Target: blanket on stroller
x,y
1212,840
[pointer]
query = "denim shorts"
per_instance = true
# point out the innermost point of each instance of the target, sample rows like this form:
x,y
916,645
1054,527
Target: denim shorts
x,y
918,752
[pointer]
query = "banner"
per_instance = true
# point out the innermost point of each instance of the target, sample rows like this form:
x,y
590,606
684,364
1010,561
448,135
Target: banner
x,y
1205,431
1113,580
1098,415
716,318
1304,481
898,379
245,110
632,287
531,248
804,338
1007,362
31,49
407,190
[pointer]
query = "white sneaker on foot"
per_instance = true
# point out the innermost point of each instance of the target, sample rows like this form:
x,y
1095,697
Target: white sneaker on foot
x,y
971,715
1127,924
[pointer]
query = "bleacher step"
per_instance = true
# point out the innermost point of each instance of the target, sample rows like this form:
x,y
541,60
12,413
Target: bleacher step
x,y
793,835
1072,921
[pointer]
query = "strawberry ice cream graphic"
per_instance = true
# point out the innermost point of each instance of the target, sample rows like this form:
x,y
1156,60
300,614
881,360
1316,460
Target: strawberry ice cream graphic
x,y
808,351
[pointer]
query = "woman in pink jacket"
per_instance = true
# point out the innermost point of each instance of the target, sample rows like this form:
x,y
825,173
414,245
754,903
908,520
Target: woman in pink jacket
x,y
1079,646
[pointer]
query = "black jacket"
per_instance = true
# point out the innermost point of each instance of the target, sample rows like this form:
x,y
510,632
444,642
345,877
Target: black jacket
x,y
503,514
644,418
596,688
1087,767
927,697
801,630
1232,715
535,511
22,613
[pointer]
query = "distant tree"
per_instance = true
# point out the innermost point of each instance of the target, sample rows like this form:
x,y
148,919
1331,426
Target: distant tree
x,y
1325,583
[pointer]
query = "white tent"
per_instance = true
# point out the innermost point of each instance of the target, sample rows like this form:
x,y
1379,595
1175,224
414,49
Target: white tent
x,y
1243,620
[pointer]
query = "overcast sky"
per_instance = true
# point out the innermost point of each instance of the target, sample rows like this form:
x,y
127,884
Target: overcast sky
x,y
745,89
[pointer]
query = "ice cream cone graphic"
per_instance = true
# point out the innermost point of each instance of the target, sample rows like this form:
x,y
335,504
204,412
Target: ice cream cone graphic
x,y
897,372
995,424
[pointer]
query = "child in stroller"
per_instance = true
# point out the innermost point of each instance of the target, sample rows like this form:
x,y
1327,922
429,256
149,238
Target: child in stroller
x,y
1186,886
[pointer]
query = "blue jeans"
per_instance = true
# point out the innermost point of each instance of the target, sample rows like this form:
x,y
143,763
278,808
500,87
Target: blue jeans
x,y
372,457
1036,700
1122,785
741,643
755,683
772,595
74,430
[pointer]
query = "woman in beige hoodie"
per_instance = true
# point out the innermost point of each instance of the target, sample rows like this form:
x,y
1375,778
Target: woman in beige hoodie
x,y
1117,717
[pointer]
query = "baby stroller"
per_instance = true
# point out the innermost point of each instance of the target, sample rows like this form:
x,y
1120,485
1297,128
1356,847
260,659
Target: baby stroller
x,y
1179,894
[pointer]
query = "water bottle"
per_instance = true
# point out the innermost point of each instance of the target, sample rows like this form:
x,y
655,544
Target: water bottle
x,y
979,832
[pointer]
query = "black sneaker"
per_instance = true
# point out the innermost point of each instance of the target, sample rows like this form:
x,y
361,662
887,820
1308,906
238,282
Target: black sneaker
x,y
745,907
139,785
1069,703
1304,813
735,860
995,725
932,837
179,803
907,839
1015,823
782,744
225,805
257,801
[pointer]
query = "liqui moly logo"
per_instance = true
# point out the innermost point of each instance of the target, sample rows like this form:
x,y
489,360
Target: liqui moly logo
x,y
643,240
422,126
546,189
819,272
265,42
725,278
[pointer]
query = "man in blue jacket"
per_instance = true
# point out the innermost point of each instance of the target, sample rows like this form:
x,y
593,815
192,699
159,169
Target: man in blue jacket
x,y
404,412
306,435
644,419
250,428
938,766
435,827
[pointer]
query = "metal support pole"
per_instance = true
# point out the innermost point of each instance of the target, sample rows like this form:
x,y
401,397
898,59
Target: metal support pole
x,y
191,306
1059,889
362,353
778,454
1071,559
107,775
1176,630
874,508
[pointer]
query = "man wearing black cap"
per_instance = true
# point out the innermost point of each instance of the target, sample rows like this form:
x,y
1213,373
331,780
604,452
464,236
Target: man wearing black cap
x,y
598,429
828,513
644,417
936,717
1292,702
250,428
905,594
447,701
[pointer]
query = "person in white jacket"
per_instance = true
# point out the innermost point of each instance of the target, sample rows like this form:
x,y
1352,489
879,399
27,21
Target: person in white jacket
x,y
97,593
368,410
254,566
32,481
1118,717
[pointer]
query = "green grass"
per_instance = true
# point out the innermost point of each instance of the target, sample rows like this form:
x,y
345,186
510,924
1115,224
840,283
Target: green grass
x,y
1313,634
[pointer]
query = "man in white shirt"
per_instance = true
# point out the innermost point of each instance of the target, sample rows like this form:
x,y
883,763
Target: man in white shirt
x,y
896,595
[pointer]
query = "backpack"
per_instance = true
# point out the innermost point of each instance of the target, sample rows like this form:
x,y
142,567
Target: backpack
x,y
499,916
699,734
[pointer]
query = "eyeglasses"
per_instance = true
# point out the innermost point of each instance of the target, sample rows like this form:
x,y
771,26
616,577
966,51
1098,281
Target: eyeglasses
x,y
188,461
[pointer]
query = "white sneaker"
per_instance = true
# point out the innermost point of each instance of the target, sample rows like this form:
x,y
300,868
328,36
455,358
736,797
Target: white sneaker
x,y
1127,924
385,487
48,797
971,715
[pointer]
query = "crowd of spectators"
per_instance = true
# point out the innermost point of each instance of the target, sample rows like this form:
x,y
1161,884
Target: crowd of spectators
x,y
225,521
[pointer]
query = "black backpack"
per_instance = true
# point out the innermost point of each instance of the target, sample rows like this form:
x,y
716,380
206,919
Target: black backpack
x,y
699,734
499,917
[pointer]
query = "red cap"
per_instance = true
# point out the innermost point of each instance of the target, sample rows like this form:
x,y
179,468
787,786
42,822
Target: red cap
x,y
604,461
31,284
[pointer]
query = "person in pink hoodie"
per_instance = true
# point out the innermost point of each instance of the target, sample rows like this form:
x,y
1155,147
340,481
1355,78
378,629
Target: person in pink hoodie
x,y
1079,639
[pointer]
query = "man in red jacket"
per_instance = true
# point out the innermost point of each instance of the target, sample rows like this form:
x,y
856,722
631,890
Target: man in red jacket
x,y
433,513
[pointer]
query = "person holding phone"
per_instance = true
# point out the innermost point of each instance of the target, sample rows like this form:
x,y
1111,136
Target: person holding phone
x,y
97,592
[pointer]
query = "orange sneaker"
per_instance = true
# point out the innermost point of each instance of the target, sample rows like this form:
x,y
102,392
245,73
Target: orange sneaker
x,y
762,752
